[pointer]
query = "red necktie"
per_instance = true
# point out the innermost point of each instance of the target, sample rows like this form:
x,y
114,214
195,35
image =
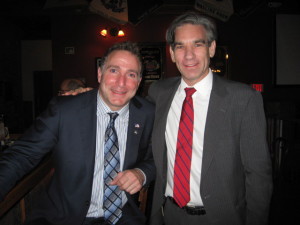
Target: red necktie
x,y
183,158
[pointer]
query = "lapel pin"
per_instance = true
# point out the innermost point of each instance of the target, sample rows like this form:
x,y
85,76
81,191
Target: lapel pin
x,y
135,132
137,125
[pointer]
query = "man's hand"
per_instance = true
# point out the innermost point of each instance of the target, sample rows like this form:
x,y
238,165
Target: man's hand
x,y
130,181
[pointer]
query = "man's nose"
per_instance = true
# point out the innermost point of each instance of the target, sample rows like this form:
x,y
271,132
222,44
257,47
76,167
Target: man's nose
x,y
189,52
121,80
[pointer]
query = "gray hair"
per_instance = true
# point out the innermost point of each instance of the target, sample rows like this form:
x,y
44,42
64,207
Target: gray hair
x,y
195,19
126,46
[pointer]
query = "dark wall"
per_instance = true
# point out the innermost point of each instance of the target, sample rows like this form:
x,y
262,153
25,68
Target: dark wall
x,y
11,105
249,39
82,32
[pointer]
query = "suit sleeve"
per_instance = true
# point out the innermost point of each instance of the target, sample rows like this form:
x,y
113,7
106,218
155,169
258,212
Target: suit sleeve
x,y
146,164
29,150
256,161
151,93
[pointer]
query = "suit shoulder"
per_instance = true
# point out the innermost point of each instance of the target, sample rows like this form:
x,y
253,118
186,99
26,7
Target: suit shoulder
x,y
235,86
77,101
143,103
165,82
159,87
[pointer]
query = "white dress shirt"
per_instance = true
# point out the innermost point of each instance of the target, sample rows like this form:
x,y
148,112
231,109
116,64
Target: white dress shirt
x,y
121,126
200,101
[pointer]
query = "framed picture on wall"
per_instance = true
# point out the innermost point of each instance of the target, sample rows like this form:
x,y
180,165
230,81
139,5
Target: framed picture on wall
x,y
153,55
287,50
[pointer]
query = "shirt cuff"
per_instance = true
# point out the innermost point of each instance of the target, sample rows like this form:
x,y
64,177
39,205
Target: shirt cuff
x,y
145,178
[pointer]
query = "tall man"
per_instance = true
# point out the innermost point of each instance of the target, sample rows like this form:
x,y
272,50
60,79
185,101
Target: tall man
x,y
101,149
209,144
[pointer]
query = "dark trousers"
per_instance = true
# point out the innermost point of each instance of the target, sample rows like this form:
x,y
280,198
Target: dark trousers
x,y
130,216
173,215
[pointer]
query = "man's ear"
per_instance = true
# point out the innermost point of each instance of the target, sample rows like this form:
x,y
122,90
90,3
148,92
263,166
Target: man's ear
x,y
172,54
212,49
99,74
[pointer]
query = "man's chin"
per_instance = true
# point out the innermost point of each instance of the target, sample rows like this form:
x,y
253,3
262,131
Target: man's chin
x,y
118,104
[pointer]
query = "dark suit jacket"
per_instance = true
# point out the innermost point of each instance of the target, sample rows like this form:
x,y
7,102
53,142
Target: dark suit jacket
x,y
68,129
236,178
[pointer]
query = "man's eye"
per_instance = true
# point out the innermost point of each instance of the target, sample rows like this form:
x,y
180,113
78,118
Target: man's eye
x,y
112,70
178,46
132,75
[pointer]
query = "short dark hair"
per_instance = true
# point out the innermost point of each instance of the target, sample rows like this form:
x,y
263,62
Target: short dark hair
x,y
194,18
75,83
126,46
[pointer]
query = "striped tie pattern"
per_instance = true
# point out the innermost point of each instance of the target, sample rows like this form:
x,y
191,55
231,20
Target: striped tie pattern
x,y
112,194
183,158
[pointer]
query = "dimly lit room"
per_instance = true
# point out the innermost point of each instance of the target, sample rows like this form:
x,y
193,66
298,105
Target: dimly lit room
x,y
45,42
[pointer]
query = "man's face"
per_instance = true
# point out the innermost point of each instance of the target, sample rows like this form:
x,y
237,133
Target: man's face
x,y
192,53
119,79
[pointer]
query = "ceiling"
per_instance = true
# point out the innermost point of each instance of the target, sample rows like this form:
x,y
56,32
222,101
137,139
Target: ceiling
x,y
46,7
24,13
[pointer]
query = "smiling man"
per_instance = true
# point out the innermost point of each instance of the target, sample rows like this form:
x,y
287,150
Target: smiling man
x,y
100,143
209,140
119,78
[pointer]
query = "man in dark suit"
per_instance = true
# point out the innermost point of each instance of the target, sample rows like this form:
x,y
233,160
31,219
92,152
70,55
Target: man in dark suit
x,y
229,179
73,128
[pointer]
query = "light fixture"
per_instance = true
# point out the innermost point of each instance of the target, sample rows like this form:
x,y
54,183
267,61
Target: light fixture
x,y
103,32
114,32
121,33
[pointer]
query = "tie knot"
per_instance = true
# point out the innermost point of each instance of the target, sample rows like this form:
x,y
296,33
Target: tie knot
x,y
113,116
189,91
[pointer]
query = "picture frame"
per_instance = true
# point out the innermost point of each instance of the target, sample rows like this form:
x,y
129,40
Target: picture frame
x,y
153,56
286,48
153,59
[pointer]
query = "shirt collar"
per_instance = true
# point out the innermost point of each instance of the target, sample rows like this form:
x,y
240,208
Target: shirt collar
x,y
203,86
103,109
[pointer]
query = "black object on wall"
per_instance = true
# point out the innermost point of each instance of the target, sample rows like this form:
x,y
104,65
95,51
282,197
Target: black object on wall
x,y
137,10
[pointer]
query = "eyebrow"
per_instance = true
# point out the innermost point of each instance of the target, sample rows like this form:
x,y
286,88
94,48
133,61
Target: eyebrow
x,y
196,41
118,67
112,66
201,41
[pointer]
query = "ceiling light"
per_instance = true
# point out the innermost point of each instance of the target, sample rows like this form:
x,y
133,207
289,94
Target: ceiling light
x,y
103,32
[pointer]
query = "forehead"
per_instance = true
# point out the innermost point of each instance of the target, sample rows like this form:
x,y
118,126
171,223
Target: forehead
x,y
122,57
191,32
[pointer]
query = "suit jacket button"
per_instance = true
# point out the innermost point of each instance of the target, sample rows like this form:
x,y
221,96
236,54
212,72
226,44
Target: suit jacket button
x,y
206,196
87,203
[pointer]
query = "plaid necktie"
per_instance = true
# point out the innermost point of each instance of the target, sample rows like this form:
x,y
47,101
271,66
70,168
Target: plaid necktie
x,y
112,194
183,158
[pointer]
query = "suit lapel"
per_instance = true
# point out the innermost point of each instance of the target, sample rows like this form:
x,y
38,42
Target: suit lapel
x,y
162,109
215,117
87,120
135,129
